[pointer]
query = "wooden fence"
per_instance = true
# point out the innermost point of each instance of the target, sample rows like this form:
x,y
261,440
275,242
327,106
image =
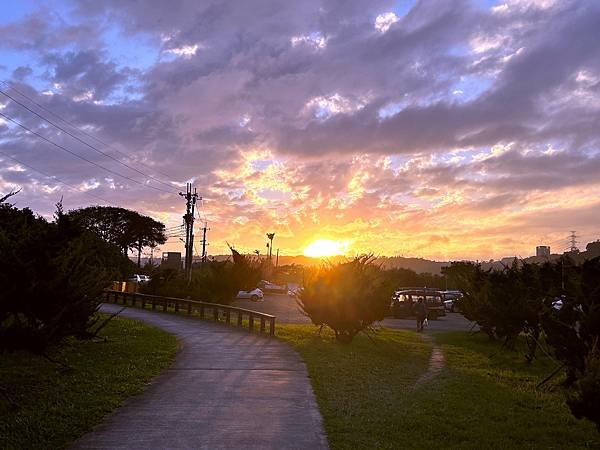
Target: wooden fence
x,y
214,311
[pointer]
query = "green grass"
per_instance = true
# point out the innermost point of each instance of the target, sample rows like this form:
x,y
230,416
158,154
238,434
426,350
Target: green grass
x,y
360,387
484,398
55,406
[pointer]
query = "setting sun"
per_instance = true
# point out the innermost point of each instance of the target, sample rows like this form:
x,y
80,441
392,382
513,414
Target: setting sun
x,y
326,247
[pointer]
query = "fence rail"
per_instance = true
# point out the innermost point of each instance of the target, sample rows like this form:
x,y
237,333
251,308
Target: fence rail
x,y
206,310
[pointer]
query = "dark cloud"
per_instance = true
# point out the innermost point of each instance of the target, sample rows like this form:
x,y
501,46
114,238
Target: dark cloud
x,y
315,86
22,72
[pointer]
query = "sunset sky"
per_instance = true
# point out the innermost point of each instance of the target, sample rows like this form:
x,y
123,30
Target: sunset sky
x,y
439,129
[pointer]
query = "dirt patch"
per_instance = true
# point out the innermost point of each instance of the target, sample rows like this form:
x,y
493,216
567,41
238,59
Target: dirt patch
x,y
437,362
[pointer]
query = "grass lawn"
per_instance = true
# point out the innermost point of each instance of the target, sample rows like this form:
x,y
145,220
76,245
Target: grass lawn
x,y
484,398
55,407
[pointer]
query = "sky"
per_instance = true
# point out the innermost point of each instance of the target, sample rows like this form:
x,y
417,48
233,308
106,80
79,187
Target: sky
x,y
444,130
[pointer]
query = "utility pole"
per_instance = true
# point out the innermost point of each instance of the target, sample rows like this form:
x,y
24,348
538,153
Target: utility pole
x,y
204,244
277,260
188,218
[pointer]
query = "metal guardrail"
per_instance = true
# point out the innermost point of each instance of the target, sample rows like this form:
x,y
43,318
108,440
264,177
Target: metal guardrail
x,y
205,310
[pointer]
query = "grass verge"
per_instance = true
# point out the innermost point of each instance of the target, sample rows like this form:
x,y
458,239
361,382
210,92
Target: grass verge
x,y
484,398
56,406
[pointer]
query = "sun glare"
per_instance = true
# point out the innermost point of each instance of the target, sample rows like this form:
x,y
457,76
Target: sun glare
x,y
326,247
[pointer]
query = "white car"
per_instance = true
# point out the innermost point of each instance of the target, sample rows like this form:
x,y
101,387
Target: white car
x,y
256,295
267,286
137,278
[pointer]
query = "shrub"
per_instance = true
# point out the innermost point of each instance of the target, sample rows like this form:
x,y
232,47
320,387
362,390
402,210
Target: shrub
x,y
503,302
347,297
574,333
52,275
213,281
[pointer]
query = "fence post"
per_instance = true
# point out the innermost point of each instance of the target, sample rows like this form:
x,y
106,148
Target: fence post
x,y
215,313
153,304
165,304
189,307
262,324
202,311
251,322
272,326
240,318
176,306
143,302
227,317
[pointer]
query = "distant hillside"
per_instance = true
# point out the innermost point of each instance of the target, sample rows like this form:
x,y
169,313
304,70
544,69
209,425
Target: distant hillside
x,y
418,265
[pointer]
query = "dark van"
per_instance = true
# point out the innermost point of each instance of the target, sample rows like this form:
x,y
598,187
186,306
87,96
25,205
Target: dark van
x,y
403,300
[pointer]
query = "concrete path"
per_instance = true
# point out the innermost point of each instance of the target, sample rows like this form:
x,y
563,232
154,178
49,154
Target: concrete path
x,y
227,389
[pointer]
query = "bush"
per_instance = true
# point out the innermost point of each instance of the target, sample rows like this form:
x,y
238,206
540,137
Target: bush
x,y
347,297
213,281
52,275
574,333
520,299
504,302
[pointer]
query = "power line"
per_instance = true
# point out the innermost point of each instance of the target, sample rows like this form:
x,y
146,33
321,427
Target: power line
x,y
84,142
79,156
11,86
55,178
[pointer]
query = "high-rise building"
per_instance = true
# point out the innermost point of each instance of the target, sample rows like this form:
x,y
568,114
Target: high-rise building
x,y
542,250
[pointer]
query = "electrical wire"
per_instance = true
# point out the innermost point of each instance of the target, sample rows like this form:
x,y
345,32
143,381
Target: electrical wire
x,y
22,94
79,156
84,142
55,178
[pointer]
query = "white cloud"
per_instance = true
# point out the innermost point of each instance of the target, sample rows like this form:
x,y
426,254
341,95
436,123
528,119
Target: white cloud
x,y
315,40
384,21
87,95
185,51
324,107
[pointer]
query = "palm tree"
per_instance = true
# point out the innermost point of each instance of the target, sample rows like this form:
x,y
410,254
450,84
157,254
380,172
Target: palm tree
x,y
270,236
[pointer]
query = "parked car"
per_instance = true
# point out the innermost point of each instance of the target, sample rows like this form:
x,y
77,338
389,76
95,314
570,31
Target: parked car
x,y
256,295
450,298
403,301
138,278
267,286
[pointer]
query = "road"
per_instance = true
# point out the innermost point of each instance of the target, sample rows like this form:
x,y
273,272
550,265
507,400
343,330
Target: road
x,y
286,310
227,389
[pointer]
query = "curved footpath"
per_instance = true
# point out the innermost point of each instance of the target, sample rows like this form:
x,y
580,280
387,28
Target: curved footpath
x,y
226,389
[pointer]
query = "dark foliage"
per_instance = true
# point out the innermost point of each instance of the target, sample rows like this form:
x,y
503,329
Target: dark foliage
x,y
523,299
213,281
122,227
574,333
51,275
347,297
504,302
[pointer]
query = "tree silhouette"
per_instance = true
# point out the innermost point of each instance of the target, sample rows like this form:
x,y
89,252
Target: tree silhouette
x,y
123,227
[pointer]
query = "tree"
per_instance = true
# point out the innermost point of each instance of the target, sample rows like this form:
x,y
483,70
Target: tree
x,y
503,302
125,228
574,333
347,297
215,281
52,275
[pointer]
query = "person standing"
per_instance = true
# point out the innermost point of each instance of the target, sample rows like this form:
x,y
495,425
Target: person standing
x,y
421,313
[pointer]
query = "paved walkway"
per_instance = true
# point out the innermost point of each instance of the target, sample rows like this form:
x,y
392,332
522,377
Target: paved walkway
x,y
226,389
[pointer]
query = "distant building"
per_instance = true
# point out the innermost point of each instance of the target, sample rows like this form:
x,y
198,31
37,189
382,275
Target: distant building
x,y
171,260
542,250
509,260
